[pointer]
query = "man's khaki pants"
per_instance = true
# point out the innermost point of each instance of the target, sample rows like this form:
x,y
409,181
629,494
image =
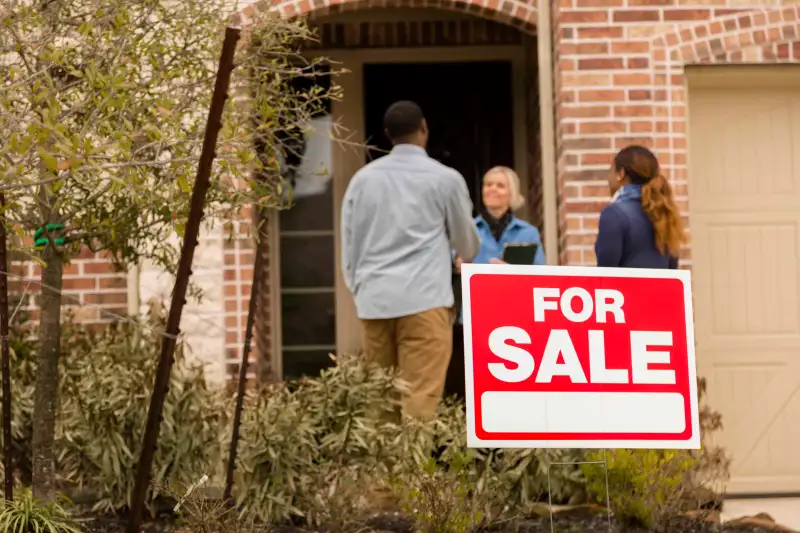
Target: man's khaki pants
x,y
420,346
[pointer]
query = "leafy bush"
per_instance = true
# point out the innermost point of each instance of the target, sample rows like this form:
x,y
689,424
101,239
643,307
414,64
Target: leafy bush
x,y
197,514
297,441
104,410
106,379
648,487
24,514
440,500
516,476
22,375
467,490
313,451
301,443
645,486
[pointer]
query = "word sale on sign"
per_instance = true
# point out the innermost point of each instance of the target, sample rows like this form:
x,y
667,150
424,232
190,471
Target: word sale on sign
x,y
569,357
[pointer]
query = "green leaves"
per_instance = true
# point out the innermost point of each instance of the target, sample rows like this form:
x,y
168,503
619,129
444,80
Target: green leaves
x,y
310,449
183,183
112,97
112,390
302,440
180,229
24,514
649,487
105,391
48,159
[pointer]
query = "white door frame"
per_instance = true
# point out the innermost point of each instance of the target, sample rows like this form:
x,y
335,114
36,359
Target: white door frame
x,y
349,156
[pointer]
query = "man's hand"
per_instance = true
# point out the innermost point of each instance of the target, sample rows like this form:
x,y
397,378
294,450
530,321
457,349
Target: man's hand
x,y
497,261
458,262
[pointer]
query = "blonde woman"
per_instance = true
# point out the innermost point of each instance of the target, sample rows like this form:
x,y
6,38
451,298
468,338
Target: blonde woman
x,y
497,224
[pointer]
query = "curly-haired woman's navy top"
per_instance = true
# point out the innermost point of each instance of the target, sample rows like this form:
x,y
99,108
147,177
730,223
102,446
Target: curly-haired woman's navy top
x,y
625,236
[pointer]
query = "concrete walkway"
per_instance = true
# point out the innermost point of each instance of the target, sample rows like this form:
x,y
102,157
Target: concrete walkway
x,y
785,511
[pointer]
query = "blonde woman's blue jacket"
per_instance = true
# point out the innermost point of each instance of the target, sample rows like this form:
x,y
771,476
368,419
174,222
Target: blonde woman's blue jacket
x,y
517,231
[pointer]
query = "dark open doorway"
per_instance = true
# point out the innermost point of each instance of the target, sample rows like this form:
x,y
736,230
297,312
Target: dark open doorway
x,y
468,106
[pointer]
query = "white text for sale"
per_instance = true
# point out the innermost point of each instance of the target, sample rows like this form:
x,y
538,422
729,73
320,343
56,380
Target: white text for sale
x,y
606,306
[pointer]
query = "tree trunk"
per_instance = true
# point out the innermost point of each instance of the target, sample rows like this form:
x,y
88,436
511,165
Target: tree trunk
x,y
46,393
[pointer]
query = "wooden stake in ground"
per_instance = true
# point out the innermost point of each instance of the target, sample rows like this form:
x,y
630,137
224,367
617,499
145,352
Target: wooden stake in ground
x,y
8,456
248,337
170,338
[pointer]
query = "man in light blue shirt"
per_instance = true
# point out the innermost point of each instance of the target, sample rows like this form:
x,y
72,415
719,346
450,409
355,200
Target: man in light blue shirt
x,y
401,217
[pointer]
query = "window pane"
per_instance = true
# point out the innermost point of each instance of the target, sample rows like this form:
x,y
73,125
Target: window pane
x,y
311,162
309,319
305,363
307,261
312,202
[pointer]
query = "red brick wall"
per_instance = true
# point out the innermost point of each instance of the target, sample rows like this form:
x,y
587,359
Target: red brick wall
x,y
94,291
620,81
239,256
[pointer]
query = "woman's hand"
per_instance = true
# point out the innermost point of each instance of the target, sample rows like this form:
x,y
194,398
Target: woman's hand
x,y
458,262
497,261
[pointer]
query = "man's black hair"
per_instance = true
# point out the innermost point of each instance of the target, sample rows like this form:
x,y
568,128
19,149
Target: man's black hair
x,y
402,119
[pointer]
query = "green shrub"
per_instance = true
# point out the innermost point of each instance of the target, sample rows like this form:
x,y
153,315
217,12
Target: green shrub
x,y
469,489
108,383
516,476
106,377
24,514
310,451
22,375
649,487
299,439
306,442
442,500
646,486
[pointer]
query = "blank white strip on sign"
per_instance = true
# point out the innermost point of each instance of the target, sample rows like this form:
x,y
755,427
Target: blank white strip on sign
x,y
582,412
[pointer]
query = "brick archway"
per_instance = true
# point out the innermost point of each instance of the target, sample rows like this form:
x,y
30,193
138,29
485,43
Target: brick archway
x,y
516,13
714,40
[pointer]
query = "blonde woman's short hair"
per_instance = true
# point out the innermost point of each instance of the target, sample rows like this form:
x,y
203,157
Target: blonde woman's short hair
x,y
515,198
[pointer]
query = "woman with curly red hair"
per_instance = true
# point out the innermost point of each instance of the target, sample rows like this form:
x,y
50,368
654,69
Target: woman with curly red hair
x,y
642,227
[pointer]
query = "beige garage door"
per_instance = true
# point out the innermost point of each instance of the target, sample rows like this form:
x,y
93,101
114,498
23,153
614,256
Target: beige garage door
x,y
744,162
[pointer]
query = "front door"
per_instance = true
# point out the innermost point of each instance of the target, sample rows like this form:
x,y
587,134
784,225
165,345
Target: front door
x,y
468,108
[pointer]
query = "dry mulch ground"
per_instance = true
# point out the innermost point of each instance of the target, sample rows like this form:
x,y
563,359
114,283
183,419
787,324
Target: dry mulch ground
x,y
580,520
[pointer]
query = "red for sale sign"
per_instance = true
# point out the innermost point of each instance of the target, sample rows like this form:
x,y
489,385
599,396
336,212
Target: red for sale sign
x,y
573,357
